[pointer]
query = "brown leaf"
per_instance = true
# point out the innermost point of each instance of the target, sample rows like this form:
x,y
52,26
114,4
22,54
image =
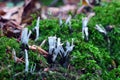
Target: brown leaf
x,y
9,12
18,16
2,12
30,7
12,14
12,29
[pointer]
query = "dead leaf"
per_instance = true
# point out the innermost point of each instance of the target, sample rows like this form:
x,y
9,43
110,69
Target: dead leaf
x,y
30,7
18,16
9,12
12,29
2,12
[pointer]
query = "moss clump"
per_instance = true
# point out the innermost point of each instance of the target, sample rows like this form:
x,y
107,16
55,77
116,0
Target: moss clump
x,y
95,59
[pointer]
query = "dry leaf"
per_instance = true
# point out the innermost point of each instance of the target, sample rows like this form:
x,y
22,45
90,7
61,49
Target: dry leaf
x,y
18,16
12,29
30,7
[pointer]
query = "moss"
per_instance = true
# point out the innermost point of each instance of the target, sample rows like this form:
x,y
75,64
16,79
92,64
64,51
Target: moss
x,y
94,59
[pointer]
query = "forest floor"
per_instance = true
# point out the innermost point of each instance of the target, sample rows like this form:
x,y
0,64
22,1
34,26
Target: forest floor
x,y
65,42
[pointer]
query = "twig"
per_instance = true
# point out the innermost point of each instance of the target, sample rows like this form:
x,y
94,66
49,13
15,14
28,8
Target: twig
x,y
16,59
43,43
39,49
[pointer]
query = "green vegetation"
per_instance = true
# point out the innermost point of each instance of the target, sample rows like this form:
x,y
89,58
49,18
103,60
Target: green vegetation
x,y
92,60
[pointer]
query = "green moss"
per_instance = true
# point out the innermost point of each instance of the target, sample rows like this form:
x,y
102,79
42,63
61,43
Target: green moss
x,y
94,60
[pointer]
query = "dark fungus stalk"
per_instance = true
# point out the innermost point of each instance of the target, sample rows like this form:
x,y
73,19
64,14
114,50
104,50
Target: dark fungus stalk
x,y
65,55
24,40
52,45
56,47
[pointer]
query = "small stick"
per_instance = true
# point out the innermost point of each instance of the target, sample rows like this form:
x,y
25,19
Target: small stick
x,y
40,50
16,59
20,60
43,42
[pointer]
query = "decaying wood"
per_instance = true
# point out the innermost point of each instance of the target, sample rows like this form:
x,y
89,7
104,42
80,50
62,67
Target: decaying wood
x,y
39,49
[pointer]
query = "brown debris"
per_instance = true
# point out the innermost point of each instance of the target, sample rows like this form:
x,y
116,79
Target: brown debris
x,y
12,29
11,19
30,7
39,49
2,12
9,12
20,60
18,16
14,19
